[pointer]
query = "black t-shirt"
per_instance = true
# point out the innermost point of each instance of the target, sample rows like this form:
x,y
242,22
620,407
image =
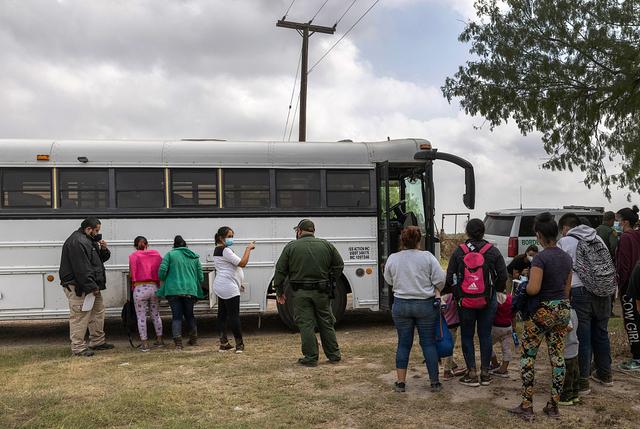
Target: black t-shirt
x,y
556,265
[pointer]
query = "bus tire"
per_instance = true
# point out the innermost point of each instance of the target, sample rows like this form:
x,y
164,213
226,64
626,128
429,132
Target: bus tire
x,y
338,305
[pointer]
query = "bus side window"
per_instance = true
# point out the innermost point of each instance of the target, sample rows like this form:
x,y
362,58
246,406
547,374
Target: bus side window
x,y
246,188
84,188
348,188
194,187
140,188
297,189
26,187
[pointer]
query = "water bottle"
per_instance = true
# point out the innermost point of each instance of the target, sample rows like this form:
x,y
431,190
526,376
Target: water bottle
x,y
516,341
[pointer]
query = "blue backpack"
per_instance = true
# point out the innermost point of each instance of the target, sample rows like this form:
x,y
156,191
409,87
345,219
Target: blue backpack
x,y
524,303
444,340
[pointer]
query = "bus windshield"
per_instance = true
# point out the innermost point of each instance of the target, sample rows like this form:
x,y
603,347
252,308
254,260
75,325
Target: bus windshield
x,y
414,199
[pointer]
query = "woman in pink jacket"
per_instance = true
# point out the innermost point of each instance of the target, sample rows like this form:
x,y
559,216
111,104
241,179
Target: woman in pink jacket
x,y
143,267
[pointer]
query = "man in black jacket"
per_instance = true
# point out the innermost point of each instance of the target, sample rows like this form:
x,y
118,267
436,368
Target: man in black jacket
x,y
82,273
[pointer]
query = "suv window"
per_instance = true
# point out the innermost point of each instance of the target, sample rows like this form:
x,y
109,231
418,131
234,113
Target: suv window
x,y
499,225
526,226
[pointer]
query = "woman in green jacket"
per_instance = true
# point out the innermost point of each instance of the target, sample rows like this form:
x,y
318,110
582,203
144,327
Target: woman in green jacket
x,y
181,274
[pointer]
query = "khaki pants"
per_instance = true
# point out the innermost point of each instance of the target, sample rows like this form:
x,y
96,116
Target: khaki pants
x,y
80,321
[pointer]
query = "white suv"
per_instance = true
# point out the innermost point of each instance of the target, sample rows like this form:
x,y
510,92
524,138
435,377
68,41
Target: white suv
x,y
511,230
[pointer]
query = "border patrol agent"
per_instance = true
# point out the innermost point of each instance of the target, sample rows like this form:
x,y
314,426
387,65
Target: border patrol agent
x,y
311,265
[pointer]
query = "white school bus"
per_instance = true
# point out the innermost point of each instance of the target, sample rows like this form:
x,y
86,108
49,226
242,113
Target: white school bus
x,y
360,195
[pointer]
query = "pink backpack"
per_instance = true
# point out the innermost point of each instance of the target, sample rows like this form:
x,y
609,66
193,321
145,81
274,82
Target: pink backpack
x,y
475,286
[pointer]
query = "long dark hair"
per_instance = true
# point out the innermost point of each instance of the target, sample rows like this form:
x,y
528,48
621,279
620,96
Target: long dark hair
x,y
222,234
178,241
629,214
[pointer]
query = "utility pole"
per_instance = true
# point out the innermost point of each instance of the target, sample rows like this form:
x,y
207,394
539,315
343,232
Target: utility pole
x,y
306,30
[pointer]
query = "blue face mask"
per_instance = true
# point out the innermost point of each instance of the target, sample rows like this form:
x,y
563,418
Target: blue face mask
x,y
617,227
228,242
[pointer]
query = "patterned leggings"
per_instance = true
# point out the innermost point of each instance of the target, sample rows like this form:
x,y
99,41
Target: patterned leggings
x,y
143,297
548,322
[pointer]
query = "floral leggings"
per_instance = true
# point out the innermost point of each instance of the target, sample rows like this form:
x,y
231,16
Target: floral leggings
x,y
143,297
548,322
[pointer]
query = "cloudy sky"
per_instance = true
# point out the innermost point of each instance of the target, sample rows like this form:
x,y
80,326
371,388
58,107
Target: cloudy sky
x,y
221,69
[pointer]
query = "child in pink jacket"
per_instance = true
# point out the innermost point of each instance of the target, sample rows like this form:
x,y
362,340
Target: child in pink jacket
x,y
143,267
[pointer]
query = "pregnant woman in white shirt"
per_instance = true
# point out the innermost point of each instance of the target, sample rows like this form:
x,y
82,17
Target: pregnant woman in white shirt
x,y
226,286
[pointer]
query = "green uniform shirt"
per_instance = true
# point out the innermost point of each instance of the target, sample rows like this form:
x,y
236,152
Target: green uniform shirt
x,y
308,259
609,236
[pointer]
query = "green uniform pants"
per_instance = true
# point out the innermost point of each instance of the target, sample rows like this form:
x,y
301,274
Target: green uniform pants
x,y
312,308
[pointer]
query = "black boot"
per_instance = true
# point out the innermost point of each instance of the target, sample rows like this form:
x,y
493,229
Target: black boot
x,y
193,339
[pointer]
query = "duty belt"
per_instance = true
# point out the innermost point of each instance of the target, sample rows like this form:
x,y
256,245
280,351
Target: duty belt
x,y
320,285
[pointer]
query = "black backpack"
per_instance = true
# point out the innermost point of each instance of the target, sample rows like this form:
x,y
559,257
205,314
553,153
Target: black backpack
x,y
129,318
595,267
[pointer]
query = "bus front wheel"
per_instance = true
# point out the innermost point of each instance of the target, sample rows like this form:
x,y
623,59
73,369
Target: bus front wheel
x,y
338,305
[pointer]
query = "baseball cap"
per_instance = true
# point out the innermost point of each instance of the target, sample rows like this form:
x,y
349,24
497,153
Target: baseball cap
x,y
305,225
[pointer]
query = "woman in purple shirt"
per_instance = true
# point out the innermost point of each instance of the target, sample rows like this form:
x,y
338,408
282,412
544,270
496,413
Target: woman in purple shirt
x,y
550,283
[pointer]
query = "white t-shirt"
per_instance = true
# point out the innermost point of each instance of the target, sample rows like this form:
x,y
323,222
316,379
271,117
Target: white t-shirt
x,y
229,275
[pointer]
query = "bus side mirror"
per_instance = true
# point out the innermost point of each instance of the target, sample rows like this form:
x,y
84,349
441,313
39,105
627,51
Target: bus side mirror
x,y
469,197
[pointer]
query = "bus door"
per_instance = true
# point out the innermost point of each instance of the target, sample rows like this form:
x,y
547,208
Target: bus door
x,y
400,204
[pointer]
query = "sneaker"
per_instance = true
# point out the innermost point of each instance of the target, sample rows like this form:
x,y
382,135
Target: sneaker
x,y
551,411
239,348
158,344
144,348
225,347
467,380
457,372
500,374
84,353
485,379
584,388
399,387
436,387
448,375
630,365
577,400
103,346
334,360
524,413
307,362
567,403
605,381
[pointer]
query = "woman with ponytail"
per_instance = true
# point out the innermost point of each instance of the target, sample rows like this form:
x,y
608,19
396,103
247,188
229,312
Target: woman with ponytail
x,y
627,256
143,268
226,286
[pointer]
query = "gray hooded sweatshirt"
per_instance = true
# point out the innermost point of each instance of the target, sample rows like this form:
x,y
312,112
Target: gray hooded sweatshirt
x,y
569,244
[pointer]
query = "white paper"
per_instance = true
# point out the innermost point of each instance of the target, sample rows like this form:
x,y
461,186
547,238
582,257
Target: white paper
x,y
89,299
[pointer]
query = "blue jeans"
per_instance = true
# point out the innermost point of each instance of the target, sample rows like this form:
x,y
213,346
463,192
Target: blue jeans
x,y
593,334
409,314
182,306
484,320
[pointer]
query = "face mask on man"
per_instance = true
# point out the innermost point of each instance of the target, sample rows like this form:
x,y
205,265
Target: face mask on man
x,y
228,242
617,226
530,258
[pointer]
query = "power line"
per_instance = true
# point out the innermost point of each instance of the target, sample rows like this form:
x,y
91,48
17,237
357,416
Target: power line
x,y
293,121
343,36
288,9
345,12
318,11
293,90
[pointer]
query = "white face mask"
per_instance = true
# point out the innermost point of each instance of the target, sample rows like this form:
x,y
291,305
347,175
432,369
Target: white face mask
x,y
530,258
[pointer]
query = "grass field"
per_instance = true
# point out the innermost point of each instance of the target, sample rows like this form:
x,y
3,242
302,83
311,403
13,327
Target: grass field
x,y
43,387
